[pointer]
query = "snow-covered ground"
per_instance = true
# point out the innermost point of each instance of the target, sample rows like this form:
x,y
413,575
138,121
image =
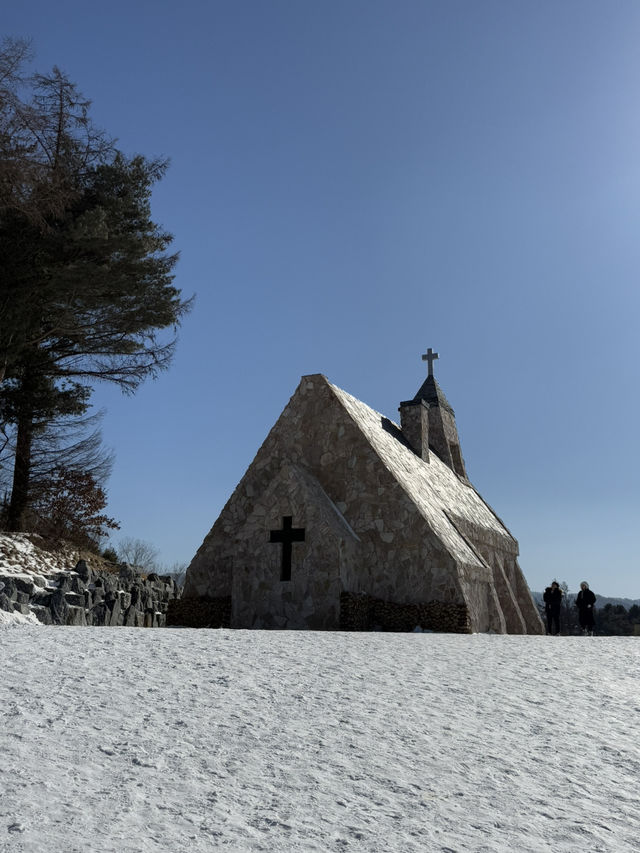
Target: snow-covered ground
x,y
28,555
118,739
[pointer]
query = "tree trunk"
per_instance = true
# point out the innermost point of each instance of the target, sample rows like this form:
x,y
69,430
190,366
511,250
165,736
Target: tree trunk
x,y
21,471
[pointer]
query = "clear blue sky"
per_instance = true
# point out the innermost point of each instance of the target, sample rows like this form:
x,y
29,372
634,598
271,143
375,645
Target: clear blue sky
x,y
353,182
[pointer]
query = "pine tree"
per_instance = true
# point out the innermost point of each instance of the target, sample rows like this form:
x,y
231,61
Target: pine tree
x,y
86,288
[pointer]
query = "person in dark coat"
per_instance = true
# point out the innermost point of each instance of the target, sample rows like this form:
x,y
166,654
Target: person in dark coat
x,y
552,604
585,600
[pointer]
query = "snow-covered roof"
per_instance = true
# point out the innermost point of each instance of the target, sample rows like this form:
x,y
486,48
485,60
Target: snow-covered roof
x,y
438,493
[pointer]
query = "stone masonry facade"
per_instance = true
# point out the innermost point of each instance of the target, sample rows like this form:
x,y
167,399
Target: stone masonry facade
x,y
378,520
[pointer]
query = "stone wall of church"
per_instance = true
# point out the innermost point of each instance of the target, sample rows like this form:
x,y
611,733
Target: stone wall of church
x,y
364,532
391,557
519,613
528,609
484,607
399,559
310,598
320,564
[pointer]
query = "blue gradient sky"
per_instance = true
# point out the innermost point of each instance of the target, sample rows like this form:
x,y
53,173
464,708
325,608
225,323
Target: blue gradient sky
x,y
353,182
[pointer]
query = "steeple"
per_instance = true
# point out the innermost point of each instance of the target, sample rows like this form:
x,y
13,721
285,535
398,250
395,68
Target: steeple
x,y
433,394
441,434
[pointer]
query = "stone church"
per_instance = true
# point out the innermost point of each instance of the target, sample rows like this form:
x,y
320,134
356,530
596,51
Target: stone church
x,y
347,520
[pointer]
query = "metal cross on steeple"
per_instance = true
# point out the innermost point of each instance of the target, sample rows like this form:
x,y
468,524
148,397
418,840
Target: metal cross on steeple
x,y
430,356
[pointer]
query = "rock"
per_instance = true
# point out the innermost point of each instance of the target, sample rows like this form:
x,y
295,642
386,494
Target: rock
x,y
171,589
41,599
10,588
144,598
76,616
129,619
100,614
83,571
110,583
59,607
77,584
87,597
5,603
24,585
42,613
128,574
116,614
63,580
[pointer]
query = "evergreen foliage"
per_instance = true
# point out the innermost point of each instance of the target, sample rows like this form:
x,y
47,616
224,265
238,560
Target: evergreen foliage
x,y
86,287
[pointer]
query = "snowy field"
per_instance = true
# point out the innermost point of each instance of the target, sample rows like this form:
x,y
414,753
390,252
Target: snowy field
x,y
118,739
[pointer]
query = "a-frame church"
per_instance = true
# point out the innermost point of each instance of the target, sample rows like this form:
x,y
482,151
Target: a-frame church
x,y
345,519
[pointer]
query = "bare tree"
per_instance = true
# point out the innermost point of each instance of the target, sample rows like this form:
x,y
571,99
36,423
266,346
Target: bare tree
x,y
138,553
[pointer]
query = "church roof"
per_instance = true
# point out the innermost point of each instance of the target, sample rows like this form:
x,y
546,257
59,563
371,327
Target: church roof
x,y
438,493
433,394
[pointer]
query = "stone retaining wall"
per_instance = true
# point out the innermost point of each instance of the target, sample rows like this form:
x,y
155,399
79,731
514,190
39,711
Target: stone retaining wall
x,y
361,612
200,612
88,597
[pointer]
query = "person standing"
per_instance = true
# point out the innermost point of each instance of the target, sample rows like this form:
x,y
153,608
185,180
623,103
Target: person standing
x,y
585,600
552,604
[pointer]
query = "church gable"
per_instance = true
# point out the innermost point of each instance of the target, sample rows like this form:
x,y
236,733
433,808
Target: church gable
x,y
297,551
338,500
396,555
258,551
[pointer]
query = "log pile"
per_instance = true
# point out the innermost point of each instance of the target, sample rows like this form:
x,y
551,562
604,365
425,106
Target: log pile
x,y
362,612
200,612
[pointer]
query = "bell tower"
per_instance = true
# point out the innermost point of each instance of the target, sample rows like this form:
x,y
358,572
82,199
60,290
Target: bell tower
x,y
440,434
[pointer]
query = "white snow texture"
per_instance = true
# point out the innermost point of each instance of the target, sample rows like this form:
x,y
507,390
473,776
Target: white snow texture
x,y
127,740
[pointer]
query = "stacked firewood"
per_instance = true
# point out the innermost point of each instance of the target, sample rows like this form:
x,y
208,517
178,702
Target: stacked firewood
x,y
362,612
200,612
355,611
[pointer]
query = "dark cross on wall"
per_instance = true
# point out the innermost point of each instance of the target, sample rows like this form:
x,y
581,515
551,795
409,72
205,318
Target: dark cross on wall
x,y
430,356
287,536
